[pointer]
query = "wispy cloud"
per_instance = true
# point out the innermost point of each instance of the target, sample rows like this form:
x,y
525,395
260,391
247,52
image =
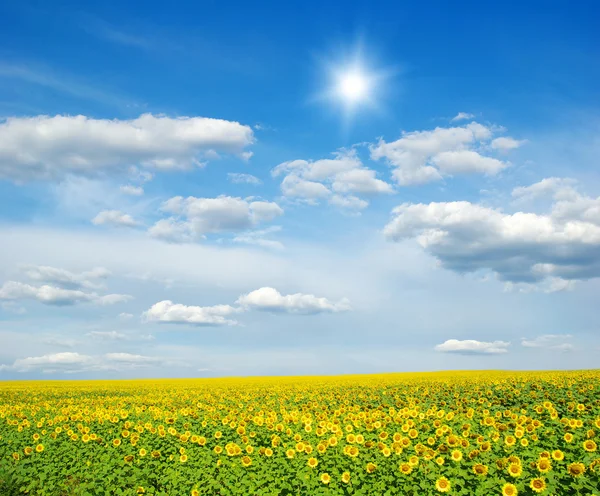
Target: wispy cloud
x,y
33,73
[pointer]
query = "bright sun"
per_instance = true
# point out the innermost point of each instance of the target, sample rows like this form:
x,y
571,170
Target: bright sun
x,y
353,86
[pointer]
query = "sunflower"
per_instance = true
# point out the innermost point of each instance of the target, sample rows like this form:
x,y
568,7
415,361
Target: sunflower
x,y
480,469
509,489
290,453
183,458
28,450
39,448
544,465
116,442
246,461
405,468
558,455
371,467
568,437
346,477
589,446
195,492
325,478
510,440
538,484
143,452
312,462
442,485
515,470
128,458
576,469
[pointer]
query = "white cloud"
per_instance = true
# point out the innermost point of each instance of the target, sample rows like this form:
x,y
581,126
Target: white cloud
x,y
131,359
60,342
294,186
114,218
73,362
557,188
315,180
173,231
211,215
465,162
350,202
125,316
239,178
106,335
168,312
423,156
522,248
49,148
129,189
270,299
65,278
64,361
362,181
472,347
259,238
556,342
461,116
51,295
506,143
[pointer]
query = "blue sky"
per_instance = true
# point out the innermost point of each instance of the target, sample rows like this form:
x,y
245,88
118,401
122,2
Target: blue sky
x,y
240,189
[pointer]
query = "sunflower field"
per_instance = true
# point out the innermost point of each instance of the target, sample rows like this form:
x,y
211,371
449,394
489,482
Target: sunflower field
x,y
459,433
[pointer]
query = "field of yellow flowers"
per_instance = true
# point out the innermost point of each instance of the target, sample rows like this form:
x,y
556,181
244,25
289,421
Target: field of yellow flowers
x,y
459,433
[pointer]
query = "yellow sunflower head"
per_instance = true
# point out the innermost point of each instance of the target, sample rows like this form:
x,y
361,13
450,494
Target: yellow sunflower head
x,y
442,485
538,484
576,469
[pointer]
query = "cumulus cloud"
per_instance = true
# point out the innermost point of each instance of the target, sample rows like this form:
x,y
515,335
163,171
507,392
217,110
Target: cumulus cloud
x,y
461,116
472,347
131,190
64,278
521,248
73,362
556,342
506,143
52,295
350,202
173,231
199,216
114,218
168,312
423,156
556,188
49,148
269,299
239,178
56,362
345,174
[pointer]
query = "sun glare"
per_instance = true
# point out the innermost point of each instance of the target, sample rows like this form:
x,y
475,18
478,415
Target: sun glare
x,y
354,82
353,87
